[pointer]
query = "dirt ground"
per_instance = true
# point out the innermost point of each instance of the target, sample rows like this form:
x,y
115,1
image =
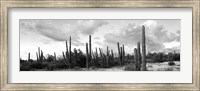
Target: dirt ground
x,y
163,66
150,67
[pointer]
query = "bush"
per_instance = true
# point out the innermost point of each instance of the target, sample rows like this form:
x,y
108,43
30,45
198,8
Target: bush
x,y
24,65
49,58
36,65
130,67
106,66
171,63
45,64
77,68
60,64
162,57
51,66
25,68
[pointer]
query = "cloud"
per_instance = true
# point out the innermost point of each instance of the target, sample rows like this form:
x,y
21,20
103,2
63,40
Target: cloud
x,y
128,35
97,38
156,35
99,43
89,27
178,37
58,32
52,32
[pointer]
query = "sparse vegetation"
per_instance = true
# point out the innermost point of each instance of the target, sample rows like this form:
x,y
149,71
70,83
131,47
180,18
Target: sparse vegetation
x,y
76,59
130,67
171,63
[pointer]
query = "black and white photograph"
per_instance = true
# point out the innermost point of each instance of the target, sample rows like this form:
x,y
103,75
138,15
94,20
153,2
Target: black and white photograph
x,y
99,44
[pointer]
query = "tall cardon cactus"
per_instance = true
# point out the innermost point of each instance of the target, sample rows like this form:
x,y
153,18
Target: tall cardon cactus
x,y
70,59
119,53
143,50
87,57
136,59
139,55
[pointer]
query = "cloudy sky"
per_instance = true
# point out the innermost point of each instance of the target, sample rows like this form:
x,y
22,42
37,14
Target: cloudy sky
x,y
50,35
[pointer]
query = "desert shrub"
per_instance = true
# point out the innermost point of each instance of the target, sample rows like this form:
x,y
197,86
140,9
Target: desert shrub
x,y
103,62
159,57
24,65
130,67
49,58
60,64
79,60
97,62
45,64
116,62
77,68
176,57
149,60
36,65
106,66
51,66
163,57
171,63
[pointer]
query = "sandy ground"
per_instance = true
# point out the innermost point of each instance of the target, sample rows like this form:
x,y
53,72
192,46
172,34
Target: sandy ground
x,y
150,66
116,68
163,66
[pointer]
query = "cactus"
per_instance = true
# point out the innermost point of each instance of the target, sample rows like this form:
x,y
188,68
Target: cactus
x,y
64,56
104,55
119,53
107,57
37,56
66,47
54,56
112,54
112,57
101,55
70,52
96,53
75,52
93,57
136,59
87,58
143,50
29,57
128,56
67,52
139,55
123,55
90,51
41,57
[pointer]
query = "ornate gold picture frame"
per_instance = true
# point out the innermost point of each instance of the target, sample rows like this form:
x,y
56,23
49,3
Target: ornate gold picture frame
x,y
7,4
